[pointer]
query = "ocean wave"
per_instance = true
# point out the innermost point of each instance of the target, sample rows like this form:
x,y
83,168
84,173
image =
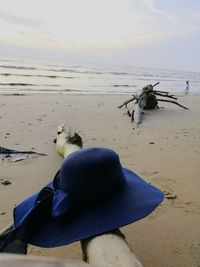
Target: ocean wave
x,y
52,70
75,71
37,75
18,84
119,73
17,67
122,85
28,84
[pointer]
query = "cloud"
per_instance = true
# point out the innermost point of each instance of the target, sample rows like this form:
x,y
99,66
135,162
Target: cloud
x,y
196,15
160,37
151,5
8,17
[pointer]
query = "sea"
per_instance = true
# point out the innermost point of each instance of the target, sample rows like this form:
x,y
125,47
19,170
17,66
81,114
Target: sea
x,y
28,76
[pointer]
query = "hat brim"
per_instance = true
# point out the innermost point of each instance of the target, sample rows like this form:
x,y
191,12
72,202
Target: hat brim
x,y
137,200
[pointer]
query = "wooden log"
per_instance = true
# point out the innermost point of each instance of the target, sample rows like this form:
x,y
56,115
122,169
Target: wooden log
x,y
106,250
6,229
4,233
109,250
17,155
137,115
9,260
67,141
138,110
151,101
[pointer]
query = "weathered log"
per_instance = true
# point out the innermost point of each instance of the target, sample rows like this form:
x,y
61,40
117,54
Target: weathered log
x,y
67,141
7,151
9,260
151,101
135,97
138,110
16,246
16,155
4,233
109,249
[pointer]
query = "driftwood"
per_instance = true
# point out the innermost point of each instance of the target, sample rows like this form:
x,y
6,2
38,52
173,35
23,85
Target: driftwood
x,y
17,155
128,101
135,97
66,143
165,94
107,250
9,260
173,102
4,233
138,111
152,101
149,100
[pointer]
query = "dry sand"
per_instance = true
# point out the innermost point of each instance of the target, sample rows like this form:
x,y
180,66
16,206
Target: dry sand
x,y
164,150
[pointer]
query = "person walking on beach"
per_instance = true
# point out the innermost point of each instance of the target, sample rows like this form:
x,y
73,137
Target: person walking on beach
x,y
187,88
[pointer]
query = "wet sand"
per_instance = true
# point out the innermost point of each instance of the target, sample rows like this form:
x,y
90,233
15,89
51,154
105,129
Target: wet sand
x,y
164,150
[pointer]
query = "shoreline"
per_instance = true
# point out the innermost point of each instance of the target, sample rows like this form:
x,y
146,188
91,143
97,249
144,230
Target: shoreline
x,y
80,92
164,150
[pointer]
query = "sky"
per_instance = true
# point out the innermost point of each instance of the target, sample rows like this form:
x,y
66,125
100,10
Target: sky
x,y
144,33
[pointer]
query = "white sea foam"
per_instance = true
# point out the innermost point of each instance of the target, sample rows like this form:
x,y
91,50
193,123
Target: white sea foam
x,y
28,76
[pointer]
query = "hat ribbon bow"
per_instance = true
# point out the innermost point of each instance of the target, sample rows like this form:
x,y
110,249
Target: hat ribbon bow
x,y
60,200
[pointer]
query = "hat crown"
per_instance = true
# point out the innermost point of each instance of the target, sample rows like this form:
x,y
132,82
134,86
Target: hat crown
x,y
91,174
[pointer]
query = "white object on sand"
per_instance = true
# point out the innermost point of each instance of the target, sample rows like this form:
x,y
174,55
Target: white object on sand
x,y
106,250
139,109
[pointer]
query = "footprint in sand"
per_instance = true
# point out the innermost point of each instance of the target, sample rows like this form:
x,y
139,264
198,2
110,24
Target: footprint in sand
x,y
192,207
170,194
166,185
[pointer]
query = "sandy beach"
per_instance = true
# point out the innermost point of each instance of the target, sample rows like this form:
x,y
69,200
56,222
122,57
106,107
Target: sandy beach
x,y
164,150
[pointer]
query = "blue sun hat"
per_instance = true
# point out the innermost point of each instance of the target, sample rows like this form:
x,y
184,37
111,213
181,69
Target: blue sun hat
x,y
91,194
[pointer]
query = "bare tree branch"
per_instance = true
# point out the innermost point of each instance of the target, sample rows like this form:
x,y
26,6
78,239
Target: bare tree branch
x,y
165,95
128,101
174,102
